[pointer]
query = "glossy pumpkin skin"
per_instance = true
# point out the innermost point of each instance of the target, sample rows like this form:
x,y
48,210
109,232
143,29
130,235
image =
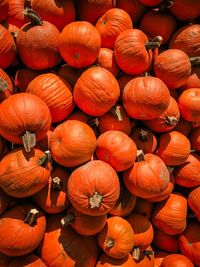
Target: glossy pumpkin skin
x,y
79,44
55,92
111,24
6,85
65,241
120,231
7,48
39,41
96,91
184,127
106,261
72,143
18,114
147,178
167,120
106,59
173,67
165,242
174,148
194,201
170,215
51,199
130,52
175,260
24,173
185,10
70,74
145,98
29,260
99,194
23,237
5,201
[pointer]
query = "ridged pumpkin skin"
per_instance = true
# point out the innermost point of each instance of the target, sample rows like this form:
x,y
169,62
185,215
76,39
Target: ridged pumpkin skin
x,y
99,194
79,44
38,42
60,14
17,237
16,13
106,261
6,85
72,143
175,260
111,24
29,260
173,67
69,248
106,59
148,177
55,92
96,91
7,48
170,215
117,237
5,201
145,98
22,174
194,202
185,9
174,148
165,242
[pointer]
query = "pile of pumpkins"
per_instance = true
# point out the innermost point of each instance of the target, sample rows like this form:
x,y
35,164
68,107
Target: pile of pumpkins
x,y
99,133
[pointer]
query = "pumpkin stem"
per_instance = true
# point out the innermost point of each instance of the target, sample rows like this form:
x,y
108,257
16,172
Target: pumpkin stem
x,y
195,61
29,140
27,4
68,219
31,217
3,85
95,200
94,122
56,184
116,111
140,156
46,158
154,43
110,243
144,135
148,252
165,5
136,253
171,121
34,18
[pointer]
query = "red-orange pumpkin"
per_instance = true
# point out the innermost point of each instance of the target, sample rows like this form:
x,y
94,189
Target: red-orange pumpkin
x,y
79,44
185,9
6,85
144,207
3,10
145,98
111,24
165,242
183,126
194,202
96,91
13,29
16,14
79,116
99,194
29,260
174,260
70,74
192,82
5,201
106,59
159,256
23,226
146,258
72,143
117,237
106,261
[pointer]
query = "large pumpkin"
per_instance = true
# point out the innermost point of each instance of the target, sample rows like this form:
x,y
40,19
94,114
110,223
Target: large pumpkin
x,y
23,226
29,260
96,91
24,119
6,85
106,261
99,194
55,92
79,44
194,202
72,143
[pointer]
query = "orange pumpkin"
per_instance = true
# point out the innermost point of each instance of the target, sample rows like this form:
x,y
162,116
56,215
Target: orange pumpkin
x,y
194,202
165,242
29,260
159,256
106,261
183,126
175,260
4,10
192,82
106,59
146,258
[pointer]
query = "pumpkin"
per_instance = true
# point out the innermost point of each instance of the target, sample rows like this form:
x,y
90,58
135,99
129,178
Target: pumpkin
x,y
38,39
166,21
115,119
147,177
96,91
16,15
117,149
23,226
150,2
55,92
145,98
196,69
99,194
146,258
123,79
176,260
53,197
144,139
194,202
30,260
72,143
167,120
79,44
185,9
79,116
144,207
70,74
159,256
183,127
4,10
192,82
18,121
170,215
117,237
106,261
188,174
44,143
58,13
13,29
106,59
7,48
189,102
5,201
111,24
6,85
82,223
174,148
69,248
165,242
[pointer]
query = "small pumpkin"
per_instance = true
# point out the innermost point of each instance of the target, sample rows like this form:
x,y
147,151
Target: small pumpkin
x,y
106,261
175,260
117,237
185,10
194,201
192,82
106,59
79,116
30,260
165,242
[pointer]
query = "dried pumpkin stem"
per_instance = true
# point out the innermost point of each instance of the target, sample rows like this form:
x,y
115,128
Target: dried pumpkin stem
x,y
56,184
140,156
46,158
95,200
3,85
154,43
68,219
144,135
31,217
116,111
195,61
136,253
29,140
31,15
171,121
110,243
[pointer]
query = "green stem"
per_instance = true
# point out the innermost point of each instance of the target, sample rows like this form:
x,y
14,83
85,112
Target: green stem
x,y
31,15
154,43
